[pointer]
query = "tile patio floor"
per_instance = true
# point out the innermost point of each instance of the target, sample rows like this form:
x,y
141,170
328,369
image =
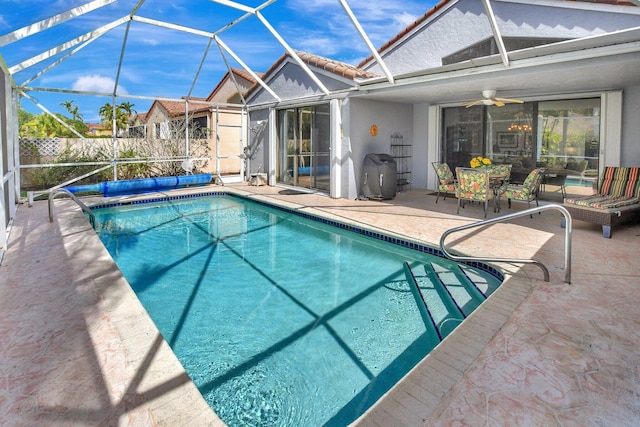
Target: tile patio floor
x,y
78,349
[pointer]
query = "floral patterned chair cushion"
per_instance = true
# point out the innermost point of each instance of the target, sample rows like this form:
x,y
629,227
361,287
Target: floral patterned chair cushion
x,y
446,181
527,192
473,185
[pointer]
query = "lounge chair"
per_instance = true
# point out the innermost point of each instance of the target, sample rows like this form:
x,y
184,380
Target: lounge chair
x,y
617,200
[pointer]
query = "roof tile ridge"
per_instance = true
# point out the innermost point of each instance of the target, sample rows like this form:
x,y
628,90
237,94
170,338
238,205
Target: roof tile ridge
x,y
334,66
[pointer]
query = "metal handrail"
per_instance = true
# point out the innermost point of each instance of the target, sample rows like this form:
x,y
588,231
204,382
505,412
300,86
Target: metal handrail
x,y
54,193
567,240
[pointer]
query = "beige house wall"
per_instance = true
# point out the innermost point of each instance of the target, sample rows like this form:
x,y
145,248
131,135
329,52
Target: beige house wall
x,y
227,124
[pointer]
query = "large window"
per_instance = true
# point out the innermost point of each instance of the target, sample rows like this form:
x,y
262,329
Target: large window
x,y
561,136
569,133
489,47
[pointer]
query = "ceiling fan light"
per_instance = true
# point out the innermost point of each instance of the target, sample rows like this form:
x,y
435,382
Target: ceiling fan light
x,y
489,93
487,101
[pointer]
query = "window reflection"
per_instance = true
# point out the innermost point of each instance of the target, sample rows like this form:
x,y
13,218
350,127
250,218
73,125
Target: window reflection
x,y
562,136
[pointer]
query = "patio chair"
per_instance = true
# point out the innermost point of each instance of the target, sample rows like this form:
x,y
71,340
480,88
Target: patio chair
x,y
527,192
446,181
474,185
501,169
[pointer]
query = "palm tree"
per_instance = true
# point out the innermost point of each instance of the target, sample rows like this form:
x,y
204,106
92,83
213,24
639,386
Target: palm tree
x,y
123,111
106,113
76,121
72,109
127,108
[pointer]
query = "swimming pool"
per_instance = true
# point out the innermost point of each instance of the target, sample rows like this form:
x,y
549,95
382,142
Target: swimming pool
x,y
281,319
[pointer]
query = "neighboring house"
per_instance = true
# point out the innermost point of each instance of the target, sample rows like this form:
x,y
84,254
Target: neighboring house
x,y
568,67
231,86
138,126
98,129
214,118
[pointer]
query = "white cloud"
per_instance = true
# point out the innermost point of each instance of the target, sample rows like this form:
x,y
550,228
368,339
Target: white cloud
x,y
405,19
336,35
318,45
96,83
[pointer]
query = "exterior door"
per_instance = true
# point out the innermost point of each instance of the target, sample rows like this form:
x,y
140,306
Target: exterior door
x,y
303,147
561,136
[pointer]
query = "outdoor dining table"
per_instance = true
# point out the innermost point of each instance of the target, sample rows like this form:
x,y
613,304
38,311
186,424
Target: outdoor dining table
x,y
496,182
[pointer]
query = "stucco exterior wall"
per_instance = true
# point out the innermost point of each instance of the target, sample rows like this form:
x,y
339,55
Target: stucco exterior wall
x,y
229,89
630,147
466,24
389,118
423,147
292,82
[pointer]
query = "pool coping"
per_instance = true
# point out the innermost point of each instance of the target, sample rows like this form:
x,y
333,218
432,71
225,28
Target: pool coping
x,y
422,392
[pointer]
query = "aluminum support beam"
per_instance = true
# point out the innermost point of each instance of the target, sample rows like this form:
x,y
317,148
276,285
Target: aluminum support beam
x,y
233,77
256,12
293,54
59,61
68,45
45,24
246,67
75,132
370,45
172,26
249,12
199,70
496,32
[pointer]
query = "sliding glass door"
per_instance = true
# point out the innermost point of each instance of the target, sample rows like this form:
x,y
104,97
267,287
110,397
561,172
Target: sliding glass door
x,y
562,136
303,147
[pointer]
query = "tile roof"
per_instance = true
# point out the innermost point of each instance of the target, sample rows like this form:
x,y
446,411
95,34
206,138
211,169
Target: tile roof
x,y
336,67
243,74
142,117
177,108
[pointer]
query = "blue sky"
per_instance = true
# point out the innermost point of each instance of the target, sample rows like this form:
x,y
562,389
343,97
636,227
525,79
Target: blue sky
x,y
162,62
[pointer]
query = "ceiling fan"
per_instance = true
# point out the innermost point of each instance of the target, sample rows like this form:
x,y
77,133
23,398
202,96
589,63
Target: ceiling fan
x,y
489,98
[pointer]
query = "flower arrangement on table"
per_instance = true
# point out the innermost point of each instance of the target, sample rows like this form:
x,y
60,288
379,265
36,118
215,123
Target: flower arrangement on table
x,y
479,162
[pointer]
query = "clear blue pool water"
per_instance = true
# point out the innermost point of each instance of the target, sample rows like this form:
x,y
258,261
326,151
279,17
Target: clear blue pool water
x,y
575,181
279,320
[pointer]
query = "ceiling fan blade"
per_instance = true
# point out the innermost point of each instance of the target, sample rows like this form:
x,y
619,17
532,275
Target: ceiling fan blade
x,y
517,101
472,103
497,102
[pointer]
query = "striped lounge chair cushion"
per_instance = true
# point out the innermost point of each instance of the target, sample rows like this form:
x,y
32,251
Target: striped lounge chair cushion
x,y
619,181
620,187
603,202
